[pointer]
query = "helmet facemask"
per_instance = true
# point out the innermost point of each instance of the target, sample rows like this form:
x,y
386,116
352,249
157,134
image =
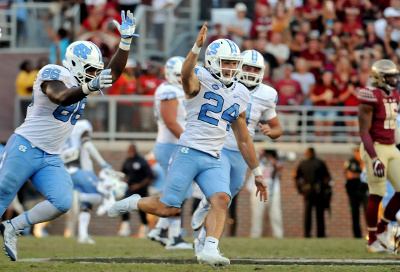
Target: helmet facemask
x,y
226,75
385,74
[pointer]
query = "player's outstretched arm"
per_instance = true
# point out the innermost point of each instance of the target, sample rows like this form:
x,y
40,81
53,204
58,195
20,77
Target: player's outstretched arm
x,y
127,31
87,143
246,148
190,81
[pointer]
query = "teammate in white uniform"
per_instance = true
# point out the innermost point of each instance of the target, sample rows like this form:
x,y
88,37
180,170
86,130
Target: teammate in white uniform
x,y
32,152
77,154
169,109
262,106
214,102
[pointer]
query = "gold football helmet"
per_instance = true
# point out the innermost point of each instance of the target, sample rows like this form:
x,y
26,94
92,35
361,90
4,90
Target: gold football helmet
x,y
384,74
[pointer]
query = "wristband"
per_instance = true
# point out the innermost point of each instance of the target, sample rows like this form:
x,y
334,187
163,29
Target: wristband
x,y
196,49
257,171
85,89
125,43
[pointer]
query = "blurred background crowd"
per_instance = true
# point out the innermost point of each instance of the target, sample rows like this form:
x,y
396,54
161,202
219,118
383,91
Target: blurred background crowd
x,y
318,53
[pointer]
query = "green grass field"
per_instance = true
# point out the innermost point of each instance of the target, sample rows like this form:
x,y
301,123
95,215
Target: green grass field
x,y
133,254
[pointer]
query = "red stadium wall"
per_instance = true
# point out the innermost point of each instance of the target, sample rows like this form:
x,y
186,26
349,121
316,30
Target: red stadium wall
x,y
338,223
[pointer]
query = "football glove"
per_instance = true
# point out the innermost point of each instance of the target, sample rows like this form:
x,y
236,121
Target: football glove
x,y
379,168
127,28
102,81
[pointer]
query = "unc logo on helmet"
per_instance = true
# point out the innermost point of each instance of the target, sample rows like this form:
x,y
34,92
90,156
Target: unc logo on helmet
x,y
254,59
82,57
218,51
172,69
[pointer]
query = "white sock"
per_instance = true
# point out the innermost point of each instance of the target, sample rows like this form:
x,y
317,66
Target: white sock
x,y
133,201
84,219
92,198
162,223
174,229
42,212
202,234
211,243
204,201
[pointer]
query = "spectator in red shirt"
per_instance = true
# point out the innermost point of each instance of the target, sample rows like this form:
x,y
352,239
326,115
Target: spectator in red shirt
x,y
289,94
126,85
351,23
263,23
313,54
148,83
312,11
324,94
218,34
348,97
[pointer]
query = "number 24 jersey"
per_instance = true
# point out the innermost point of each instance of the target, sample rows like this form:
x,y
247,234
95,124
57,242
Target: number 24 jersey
x,y
210,113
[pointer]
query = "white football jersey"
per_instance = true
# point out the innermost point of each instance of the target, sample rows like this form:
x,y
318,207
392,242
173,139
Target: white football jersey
x,y
262,106
164,92
74,155
48,125
211,112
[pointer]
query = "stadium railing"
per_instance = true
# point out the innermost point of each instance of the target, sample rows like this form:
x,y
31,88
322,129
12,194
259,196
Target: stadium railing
x,y
106,112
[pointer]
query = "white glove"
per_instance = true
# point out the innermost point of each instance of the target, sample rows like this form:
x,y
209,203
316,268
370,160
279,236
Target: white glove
x,y
127,28
102,81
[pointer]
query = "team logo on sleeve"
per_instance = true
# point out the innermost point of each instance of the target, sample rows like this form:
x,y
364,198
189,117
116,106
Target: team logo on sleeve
x,y
215,86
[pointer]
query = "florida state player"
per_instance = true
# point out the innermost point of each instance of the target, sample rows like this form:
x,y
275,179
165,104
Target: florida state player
x,y
377,114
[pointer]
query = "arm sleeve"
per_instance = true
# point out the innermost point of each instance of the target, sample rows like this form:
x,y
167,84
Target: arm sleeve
x,y
94,153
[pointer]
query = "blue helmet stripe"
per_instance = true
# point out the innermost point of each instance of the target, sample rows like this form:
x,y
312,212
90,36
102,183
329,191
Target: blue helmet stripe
x,y
254,56
232,45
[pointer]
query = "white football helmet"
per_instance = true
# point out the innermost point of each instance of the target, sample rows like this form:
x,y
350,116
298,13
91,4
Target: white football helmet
x,y
81,56
255,59
172,69
223,49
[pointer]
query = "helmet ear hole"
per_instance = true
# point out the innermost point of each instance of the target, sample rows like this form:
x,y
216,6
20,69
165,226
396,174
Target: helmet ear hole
x,y
73,63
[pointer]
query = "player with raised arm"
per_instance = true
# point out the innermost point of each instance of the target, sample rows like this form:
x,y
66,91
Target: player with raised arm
x,y
32,152
262,105
169,109
77,154
377,113
214,103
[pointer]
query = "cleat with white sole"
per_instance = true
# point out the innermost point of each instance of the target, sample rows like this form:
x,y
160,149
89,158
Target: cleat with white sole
x,y
123,206
10,239
213,258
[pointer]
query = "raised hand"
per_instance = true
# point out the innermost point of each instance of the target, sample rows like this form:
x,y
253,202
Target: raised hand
x,y
102,81
128,25
201,38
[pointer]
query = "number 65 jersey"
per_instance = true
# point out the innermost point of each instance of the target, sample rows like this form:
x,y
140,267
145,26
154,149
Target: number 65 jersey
x,y
210,113
48,125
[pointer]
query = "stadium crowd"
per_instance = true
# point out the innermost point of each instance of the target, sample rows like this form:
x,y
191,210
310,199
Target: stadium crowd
x,y
317,52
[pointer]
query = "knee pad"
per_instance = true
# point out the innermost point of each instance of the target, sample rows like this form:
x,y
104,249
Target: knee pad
x,y
63,203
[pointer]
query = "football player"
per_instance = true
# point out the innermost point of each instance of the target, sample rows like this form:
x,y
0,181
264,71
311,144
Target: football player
x,y
214,103
377,113
77,154
169,109
262,106
58,100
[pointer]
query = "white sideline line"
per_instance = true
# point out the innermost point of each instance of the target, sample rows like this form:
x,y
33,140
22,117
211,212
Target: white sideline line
x,y
300,261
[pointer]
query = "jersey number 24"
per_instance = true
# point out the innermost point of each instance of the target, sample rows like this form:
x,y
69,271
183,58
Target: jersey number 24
x,y
230,114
